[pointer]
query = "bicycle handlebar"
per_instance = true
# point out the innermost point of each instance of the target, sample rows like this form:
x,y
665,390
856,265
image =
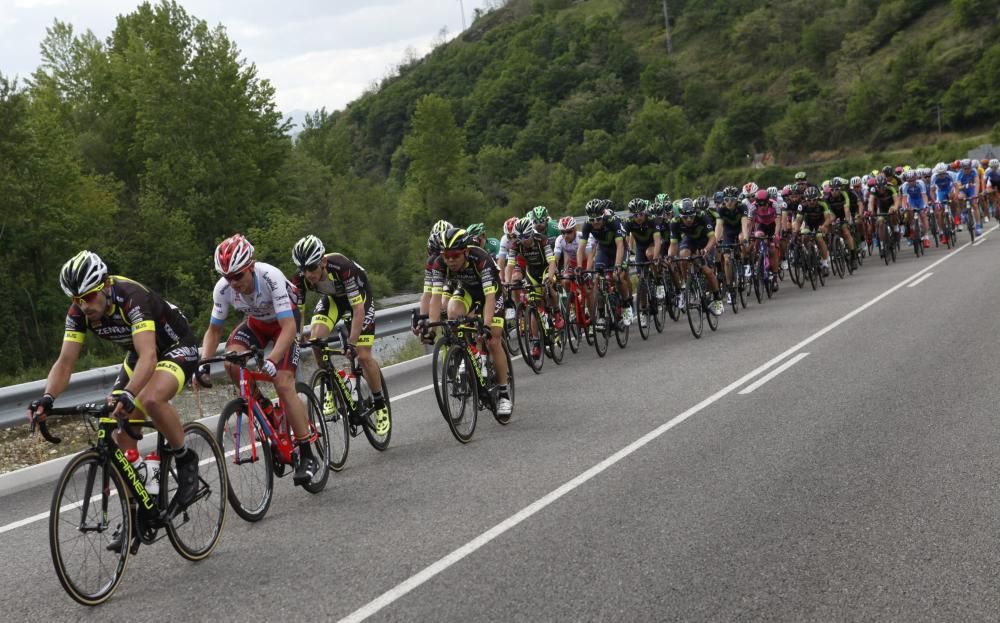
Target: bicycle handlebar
x,y
96,409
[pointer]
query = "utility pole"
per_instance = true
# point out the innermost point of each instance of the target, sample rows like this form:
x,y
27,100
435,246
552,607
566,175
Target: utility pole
x,y
461,7
666,25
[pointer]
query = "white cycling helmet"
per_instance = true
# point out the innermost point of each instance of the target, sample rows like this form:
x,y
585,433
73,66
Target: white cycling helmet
x,y
308,251
233,255
84,273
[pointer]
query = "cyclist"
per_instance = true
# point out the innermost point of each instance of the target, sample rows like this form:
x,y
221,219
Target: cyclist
x,y
814,217
764,222
536,261
968,184
345,290
793,200
644,234
161,356
694,231
432,252
883,200
839,202
566,247
609,235
915,198
479,277
539,217
261,292
945,190
731,223
991,180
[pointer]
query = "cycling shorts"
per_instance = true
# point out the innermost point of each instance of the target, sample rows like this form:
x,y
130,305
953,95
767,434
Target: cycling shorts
x,y
605,258
330,309
181,361
697,245
472,302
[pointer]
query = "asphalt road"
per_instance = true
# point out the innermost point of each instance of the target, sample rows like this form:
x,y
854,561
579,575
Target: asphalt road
x,y
857,484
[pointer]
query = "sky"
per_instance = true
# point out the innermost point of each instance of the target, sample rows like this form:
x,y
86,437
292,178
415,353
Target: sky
x,y
316,53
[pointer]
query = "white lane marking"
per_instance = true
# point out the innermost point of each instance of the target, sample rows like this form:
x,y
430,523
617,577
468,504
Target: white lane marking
x,y
412,392
475,544
773,373
982,236
919,281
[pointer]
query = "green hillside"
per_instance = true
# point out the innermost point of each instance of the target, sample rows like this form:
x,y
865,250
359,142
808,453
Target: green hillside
x,y
153,145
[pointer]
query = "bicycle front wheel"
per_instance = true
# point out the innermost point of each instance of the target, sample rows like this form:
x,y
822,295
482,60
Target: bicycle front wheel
x,y
335,414
321,437
599,324
572,328
195,530
379,442
694,313
89,509
249,461
459,390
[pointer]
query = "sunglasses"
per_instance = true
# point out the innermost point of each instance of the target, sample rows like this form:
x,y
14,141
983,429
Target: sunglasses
x,y
308,268
569,231
231,277
89,298
453,255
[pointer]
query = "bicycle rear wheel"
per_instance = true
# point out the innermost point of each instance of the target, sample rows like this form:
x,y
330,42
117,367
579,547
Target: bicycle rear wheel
x,y
318,429
459,390
533,322
194,531
365,399
621,330
730,285
249,461
670,296
90,508
659,309
335,414
556,338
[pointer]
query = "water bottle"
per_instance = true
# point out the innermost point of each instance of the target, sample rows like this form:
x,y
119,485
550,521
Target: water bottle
x,y
661,292
349,383
152,473
140,467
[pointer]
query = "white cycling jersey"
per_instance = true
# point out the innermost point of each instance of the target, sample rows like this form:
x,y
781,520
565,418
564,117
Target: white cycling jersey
x,y
270,300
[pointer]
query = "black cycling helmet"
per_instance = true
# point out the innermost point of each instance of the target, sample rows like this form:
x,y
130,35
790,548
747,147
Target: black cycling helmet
x,y
594,208
887,170
701,203
730,192
811,192
454,239
687,207
881,180
637,206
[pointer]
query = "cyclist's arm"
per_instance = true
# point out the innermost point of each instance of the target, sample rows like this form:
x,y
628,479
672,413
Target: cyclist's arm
x,y
285,338
657,243
712,240
619,251
210,342
61,370
144,344
745,227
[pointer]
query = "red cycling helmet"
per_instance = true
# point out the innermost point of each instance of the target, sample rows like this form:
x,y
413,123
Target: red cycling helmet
x,y
233,255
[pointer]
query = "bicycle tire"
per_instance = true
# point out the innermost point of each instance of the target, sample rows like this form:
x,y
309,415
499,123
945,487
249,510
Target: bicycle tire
x,y
811,263
209,506
509,331
819,265
251,481
572,328
730,285
707,299
71,508
755,275
670,296
524,333
765,278
379,442
440,349
460,414
533,318
318,428
693,307
600,317
621,330
505,419
557,337
643,307
335,413
659,311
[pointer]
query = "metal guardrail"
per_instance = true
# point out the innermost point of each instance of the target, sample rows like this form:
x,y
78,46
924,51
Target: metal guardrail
x,y
95,384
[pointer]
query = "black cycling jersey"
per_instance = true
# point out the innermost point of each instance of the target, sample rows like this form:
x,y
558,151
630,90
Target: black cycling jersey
x,y
134,309
346,280
606,236
536,253
479,275
698,231
643,233
732,218
837,201
884,199
815,213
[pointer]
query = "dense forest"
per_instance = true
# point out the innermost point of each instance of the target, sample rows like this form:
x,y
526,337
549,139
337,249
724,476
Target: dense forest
x,y
152,145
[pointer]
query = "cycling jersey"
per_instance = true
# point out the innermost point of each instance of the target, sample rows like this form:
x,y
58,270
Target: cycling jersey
x,y
536,254
884,199
606,236
915,192
346,285
814,215
764,215
694,235
992,178
134,309
732,221
567,250
968,181
270,301
643,233
477,278
837,202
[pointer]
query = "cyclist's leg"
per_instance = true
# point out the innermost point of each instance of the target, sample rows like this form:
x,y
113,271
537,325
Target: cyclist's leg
x,y
169,377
